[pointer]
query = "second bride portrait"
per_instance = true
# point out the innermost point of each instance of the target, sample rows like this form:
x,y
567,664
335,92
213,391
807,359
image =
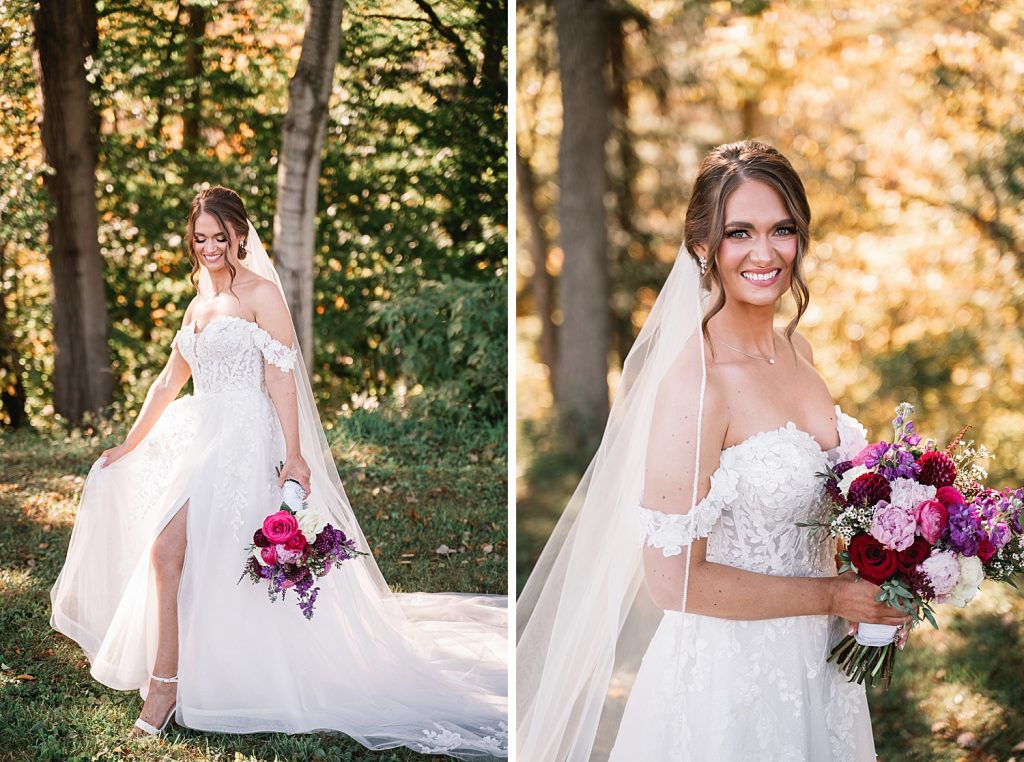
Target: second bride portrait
x,y
770,469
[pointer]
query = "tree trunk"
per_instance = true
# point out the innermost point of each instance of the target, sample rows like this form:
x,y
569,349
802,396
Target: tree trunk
x,y
81,376
12,391
581,384
298,168
539,247
193,111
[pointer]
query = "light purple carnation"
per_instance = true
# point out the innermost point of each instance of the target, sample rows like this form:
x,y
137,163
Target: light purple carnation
x,y
942,570
893,526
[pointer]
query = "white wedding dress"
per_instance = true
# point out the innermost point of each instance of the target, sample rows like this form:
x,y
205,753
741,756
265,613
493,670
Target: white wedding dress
x,y
720,690
427,671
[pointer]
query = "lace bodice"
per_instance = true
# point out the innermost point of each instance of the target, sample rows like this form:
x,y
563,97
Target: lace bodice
x,y
763,488
229,353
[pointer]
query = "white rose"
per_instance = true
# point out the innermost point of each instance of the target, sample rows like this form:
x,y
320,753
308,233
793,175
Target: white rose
x,y
847,479
311,523
971,576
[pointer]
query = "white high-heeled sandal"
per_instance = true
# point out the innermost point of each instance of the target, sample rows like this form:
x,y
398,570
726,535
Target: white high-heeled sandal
x,y
148,729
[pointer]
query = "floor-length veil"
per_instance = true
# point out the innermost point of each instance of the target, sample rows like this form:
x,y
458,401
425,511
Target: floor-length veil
x,y
583,621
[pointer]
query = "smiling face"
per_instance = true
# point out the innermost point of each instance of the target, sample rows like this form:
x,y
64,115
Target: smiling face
x,y
212,247
759,245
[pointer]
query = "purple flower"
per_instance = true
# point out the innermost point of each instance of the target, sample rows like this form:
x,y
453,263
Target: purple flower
x,y
893,463
999,534
964,528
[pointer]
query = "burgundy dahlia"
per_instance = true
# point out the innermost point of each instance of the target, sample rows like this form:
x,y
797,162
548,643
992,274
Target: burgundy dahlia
x,y
260,540
869,489
937,469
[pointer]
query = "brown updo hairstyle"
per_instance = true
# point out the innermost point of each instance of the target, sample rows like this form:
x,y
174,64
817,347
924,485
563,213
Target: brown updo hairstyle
x,y
723,170
226,206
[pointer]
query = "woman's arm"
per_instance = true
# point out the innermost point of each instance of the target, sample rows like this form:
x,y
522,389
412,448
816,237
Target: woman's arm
x,y
273,317
162,393
717,589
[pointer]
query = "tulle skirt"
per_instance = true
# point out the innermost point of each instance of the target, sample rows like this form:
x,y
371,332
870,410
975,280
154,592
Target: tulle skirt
x,y
427,671
732,691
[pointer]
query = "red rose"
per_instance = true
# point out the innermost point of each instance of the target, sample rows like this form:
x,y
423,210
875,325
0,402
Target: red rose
x,y
873,561
280,527
910,557
986,550
297,543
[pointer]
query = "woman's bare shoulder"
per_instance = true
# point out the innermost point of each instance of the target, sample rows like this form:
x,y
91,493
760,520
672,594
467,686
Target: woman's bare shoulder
x,y
803,346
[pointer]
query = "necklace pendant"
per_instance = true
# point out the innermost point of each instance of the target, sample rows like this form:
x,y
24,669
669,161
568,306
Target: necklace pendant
x,y
771,360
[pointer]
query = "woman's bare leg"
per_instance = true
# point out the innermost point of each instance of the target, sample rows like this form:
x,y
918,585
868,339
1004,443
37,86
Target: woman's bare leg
x,y
168,556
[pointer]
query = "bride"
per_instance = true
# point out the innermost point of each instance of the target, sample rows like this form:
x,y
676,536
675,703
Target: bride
x,y
708,467
150,585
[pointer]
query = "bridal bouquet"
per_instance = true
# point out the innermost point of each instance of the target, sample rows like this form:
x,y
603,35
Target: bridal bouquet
x,y
918,522
294,548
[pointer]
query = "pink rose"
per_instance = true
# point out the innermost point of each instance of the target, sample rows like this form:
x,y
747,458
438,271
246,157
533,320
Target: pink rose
x,y
269,555
280,527
949,496
932,517
893,526
297,543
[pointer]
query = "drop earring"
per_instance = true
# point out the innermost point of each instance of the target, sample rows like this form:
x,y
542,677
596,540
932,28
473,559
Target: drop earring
x,y
703,265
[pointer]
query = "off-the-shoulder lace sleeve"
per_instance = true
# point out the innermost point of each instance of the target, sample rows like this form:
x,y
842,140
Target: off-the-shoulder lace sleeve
x,y
853,437
275,352
673,531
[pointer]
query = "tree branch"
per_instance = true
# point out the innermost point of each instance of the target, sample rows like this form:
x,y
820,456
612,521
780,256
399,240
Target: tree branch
x,y
452,36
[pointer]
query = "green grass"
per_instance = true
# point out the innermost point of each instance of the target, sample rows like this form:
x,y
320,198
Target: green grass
x,y
414,487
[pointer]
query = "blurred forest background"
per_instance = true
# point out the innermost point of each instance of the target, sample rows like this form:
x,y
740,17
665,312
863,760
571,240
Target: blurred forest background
x,y
904,120
410,240
404,274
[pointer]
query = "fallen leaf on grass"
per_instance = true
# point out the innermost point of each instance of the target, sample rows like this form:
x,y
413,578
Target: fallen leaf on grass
x,y
25,677
488,548
444,550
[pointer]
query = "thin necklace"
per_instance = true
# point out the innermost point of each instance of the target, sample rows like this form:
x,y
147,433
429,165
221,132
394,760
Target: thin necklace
x,y
769,360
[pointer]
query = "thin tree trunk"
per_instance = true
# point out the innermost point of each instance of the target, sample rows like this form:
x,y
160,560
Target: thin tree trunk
x,y
81,378
539,246
193,111
583,338
12,391
298,169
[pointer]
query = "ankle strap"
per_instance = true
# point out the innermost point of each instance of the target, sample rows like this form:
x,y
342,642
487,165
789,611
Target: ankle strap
x,y
165,679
